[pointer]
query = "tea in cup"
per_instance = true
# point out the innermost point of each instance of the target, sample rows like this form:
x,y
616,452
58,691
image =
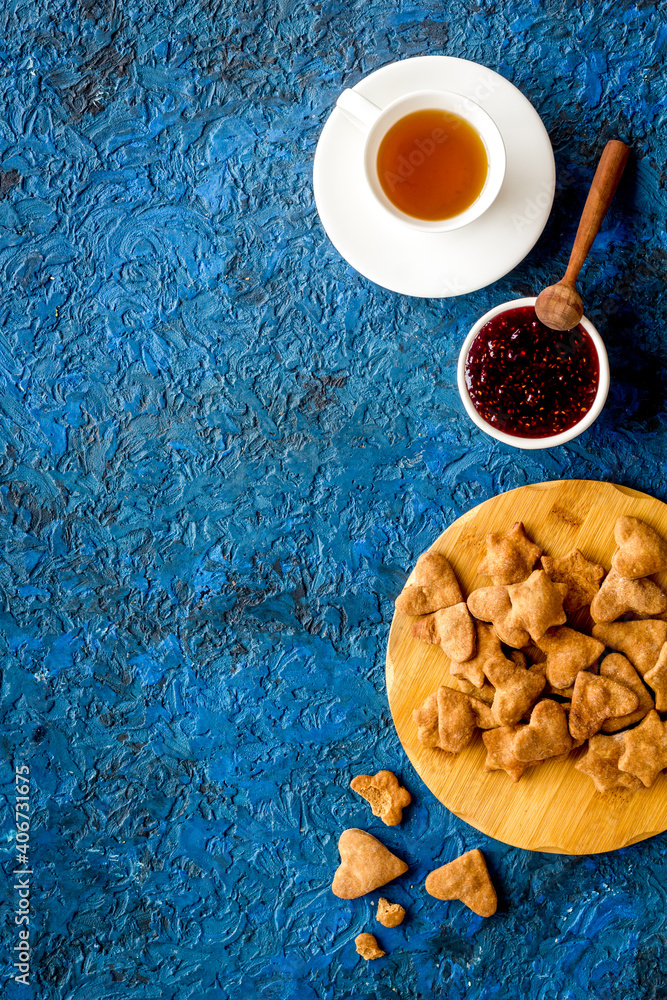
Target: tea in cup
x,y
435,160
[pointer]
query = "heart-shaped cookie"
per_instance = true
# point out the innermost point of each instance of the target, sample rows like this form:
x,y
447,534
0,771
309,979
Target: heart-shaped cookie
x,y
435,586
450,628
365,864
619,668
546,735
500,755
568,652
492,604
596,699
448,719
641,550
466,878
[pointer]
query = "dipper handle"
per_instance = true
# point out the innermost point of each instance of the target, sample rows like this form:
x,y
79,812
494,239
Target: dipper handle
x,y
603,188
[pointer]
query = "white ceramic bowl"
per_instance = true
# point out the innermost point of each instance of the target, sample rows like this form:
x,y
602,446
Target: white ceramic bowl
x,y
554,439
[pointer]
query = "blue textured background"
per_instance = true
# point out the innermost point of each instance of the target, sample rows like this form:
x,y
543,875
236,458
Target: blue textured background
x,y
220,452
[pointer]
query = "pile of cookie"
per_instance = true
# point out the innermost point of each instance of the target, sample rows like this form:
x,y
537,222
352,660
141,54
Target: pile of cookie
x,y
531,710
366,864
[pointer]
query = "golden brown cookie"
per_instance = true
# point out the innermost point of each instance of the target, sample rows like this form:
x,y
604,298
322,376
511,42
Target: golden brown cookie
x,y
656,677
645,750
387,798
488,645
538,603
641,641
517,689
596,699
492,604
466,878
618,595
484,693
500,754
600,762
365,864
581,577
450,628
447,720
368,947
619,668
641,550
510,557
568,652
435,586
546,735
389,914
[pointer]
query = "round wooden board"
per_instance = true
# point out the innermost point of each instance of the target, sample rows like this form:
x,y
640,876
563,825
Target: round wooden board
x,y
553,807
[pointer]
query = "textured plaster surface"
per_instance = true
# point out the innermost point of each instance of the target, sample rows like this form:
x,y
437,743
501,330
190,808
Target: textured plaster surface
x,y
221,451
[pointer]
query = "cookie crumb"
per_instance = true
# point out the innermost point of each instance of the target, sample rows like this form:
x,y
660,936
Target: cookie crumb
x,y
389,914
368,947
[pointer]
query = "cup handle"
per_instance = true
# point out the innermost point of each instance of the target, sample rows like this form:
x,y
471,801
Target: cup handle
x,y
359,109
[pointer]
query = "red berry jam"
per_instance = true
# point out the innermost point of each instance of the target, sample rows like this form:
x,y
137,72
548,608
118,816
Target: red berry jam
x,y
528,380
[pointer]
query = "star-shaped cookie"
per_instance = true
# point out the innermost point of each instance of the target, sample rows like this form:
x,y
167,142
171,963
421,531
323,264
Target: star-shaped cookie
x,y
510,557
581,577
538,603
645,753
387,797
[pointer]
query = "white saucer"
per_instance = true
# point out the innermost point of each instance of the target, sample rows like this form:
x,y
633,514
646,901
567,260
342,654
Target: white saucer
x,y
436,265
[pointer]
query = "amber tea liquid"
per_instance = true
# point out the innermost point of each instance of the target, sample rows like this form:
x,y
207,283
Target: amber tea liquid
x,y
432,164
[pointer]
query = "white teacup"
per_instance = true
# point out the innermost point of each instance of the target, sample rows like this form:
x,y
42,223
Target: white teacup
x,y
376,122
